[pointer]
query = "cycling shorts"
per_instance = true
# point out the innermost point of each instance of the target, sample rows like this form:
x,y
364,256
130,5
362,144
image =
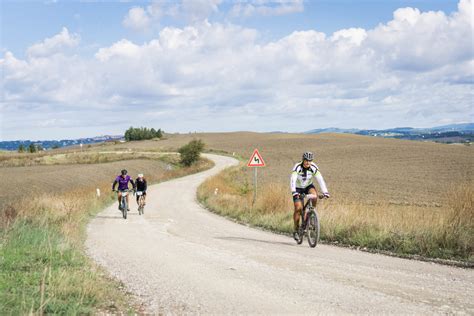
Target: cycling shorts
x,y
303,190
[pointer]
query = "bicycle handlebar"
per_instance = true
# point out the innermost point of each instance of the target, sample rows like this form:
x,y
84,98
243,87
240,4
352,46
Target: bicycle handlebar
x,y
312,196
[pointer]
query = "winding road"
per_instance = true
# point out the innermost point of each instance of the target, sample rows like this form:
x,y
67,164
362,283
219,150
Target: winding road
x,y
181,259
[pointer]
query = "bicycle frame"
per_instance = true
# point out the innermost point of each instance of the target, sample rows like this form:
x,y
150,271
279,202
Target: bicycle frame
x,y
141,202
123,202
309,221
308,205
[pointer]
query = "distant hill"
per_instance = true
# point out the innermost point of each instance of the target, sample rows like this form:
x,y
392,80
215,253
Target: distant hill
x,y
455,127
332,130
48,144
454,133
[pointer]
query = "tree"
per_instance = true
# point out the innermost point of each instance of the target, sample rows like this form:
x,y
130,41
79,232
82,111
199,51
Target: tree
x,y
21,148
191,152
142,133
159,133
32,148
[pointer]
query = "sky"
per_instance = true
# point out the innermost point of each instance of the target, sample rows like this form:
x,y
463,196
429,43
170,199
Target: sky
x,y
72,69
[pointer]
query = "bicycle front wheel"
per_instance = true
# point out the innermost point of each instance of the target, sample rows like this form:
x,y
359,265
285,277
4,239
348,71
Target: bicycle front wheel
x,y
313,229
124,208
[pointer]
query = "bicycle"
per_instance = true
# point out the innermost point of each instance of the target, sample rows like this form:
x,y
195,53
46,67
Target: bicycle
x,y
141,202
123,203
309,221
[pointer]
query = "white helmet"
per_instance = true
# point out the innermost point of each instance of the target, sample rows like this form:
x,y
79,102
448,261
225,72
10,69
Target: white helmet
x,y
308,156
140,175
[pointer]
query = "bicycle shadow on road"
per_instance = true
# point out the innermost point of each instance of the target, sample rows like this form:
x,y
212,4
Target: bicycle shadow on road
x,y
289,243
118,216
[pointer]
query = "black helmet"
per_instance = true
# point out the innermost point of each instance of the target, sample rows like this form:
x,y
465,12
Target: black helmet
x,y
124,172
308,156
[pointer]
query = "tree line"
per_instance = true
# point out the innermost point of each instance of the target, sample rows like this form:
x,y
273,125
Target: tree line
x,y
32,148
141,133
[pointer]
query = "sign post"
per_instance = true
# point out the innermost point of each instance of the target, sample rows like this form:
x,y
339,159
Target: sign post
x,y
255,161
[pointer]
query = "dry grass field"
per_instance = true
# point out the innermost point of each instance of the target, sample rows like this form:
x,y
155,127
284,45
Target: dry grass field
x,y
27,181
71,158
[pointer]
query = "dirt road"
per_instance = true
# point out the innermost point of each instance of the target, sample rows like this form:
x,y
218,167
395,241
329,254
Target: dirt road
x,y
180,258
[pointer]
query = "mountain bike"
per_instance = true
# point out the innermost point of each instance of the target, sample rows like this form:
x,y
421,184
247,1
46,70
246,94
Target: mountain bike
x,y
141,203
309,221
123,203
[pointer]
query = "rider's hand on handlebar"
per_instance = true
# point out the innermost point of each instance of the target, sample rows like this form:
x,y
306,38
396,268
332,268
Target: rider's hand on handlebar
x,y
296,195
326,195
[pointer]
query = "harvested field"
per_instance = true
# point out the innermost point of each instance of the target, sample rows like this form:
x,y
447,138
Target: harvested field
x,y
366,169
33,180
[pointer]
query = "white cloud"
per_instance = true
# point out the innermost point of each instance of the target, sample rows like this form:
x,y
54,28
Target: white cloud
x,y
413,70
123,48
198,10
353,35
143,18
422,41
54,44
137,19
267,7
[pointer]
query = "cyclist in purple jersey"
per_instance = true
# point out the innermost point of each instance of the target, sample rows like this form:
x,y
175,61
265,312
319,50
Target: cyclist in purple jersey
x,y
122,181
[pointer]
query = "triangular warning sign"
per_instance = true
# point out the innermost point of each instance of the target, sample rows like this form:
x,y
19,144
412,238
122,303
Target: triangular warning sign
x,y
256,160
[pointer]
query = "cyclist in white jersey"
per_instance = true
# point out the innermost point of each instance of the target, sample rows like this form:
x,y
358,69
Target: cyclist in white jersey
x,y
302,182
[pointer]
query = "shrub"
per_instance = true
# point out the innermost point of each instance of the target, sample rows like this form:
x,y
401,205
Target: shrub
x,y
191,152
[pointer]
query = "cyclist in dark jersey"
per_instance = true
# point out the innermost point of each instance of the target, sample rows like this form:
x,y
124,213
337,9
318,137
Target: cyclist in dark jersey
x,y
141,186
122,181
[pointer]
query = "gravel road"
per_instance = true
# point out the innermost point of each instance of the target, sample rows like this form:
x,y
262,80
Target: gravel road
x,y
181,259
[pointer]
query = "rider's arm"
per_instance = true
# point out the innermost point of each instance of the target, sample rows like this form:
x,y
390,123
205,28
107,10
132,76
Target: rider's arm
x,y
293,178
133,183
114,184
322,184
144,185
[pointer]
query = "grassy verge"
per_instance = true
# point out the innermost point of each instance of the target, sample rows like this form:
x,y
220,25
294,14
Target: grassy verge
x,y
445,232
43,266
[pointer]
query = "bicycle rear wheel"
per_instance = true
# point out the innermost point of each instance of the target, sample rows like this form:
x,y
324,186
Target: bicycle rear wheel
x,y
313,229
141,207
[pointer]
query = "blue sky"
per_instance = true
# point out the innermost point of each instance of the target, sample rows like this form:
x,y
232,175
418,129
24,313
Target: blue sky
x,y
100,22
87,68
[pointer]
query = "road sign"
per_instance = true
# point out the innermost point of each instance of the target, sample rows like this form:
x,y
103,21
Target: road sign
x,y
256,160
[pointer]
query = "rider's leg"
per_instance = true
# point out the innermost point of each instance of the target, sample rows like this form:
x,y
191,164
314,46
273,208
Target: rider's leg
x,y
138,197
296,214
119,197
315,192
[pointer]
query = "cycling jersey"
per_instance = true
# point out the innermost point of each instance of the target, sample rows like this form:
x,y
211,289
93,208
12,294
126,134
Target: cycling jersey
x,y
123,182
141,184
302,178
